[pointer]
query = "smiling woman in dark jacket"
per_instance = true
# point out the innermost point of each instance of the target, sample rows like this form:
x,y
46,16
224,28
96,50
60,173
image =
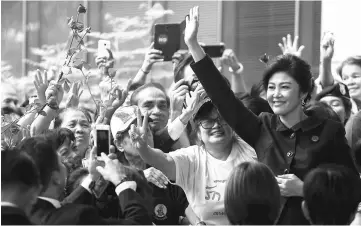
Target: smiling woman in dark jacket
x,y
290,142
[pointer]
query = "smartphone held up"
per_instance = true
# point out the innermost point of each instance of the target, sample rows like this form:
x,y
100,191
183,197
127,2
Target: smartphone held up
x,y
102,140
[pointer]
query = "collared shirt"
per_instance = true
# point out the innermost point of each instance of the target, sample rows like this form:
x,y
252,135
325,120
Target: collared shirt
x,y
8,204
54,202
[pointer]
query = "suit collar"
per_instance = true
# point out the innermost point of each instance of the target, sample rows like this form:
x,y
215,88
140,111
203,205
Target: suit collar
x,y
54,202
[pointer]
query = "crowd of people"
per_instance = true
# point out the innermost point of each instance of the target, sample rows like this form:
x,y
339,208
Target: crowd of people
x,y
286,151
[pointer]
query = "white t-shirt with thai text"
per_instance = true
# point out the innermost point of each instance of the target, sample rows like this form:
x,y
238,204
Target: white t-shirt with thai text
x,y
203,178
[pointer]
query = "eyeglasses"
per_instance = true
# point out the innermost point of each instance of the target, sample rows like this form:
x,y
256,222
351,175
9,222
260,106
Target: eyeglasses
x,y
209,123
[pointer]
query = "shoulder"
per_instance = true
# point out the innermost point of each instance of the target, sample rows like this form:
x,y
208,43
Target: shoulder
x,y
190,151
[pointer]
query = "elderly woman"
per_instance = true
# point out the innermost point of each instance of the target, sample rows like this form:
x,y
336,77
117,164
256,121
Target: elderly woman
x,y
289,141
201,170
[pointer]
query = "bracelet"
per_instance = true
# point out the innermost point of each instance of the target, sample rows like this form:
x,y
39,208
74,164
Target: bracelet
x,y
145,72
121,181
53,106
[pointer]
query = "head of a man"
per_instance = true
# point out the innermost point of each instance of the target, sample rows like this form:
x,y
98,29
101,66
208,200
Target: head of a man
x,y
9,100
52,171
20,180
153,99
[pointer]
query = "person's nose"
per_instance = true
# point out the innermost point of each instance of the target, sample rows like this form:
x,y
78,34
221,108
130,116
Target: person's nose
x,y
277,93
79,129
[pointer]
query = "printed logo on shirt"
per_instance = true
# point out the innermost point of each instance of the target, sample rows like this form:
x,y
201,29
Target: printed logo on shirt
x,y
160,212
212,195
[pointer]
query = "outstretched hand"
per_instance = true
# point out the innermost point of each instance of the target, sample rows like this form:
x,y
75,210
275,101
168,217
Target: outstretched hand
x,y
139,134
74,95
192,24
41,84
327,46
291,48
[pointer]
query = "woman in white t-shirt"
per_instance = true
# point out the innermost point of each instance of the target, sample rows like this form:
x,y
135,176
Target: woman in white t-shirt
x,y
201,170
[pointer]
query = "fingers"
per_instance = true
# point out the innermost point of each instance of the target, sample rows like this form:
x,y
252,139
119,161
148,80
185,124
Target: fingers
x,y
145,122
139,118
112,149
289,41
39,77
101,170
284,42
46,82
80,93
93,153
301,49
151,45
105,158
177,84
295,42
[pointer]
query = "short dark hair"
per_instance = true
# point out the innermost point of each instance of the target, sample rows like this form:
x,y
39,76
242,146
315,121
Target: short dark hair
x,y
44,155
254,103
257,89
134,97
19,169
75,179
332,194
295,67
322,110
252,195
60,117
353,60
58,136
204,111
356,151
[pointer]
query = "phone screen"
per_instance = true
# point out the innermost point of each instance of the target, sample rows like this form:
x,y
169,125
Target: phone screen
x,y
214,51
103,141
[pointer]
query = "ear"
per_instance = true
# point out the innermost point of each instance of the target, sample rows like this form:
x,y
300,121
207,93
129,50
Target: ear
x,y
118,145
305,211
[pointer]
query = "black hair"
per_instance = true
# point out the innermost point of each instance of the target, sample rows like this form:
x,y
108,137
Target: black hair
x,y
332,194
60,117
44,155
254,103
75,178
295,67
19,169
257,89
252,195
354,60
356,152
322,110
58,136
134,100
184,60
204,111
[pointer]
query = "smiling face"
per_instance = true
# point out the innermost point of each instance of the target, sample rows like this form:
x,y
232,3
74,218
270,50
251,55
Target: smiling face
x,y
154,101
351,75
77,122
214,130
283,94
337,105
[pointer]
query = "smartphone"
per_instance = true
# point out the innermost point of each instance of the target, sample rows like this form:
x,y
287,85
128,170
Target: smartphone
x,y
167,39
214,51
102,139
182,29
103,46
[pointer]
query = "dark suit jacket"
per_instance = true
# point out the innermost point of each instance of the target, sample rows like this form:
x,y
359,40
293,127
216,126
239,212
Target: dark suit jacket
x,y
132,208
13,216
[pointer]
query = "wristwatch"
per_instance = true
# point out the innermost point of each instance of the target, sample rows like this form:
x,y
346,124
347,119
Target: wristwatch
x,y
122,180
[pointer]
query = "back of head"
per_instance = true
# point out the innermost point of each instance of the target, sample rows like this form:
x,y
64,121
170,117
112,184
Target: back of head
x,y
252,195
75,179
331,194
180,62
255,104
44,155
18,169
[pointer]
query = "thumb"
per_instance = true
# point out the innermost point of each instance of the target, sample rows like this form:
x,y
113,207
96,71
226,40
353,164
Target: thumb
x,y
101,170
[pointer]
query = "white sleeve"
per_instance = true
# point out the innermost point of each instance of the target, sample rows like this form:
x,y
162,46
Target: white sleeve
x,y
185,161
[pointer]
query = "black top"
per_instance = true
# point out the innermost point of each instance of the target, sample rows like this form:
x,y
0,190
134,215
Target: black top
x,y
168,204
297,150
13,216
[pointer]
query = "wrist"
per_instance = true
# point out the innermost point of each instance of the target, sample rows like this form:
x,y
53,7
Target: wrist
x,y
185,117
120,180
236,67
146,67
193,44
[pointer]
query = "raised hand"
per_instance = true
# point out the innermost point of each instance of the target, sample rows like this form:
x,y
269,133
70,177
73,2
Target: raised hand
x,y
152,56
139,134
177,95
192,24
291,48
54,93
41,84
327,46
230,59
113,171
74,96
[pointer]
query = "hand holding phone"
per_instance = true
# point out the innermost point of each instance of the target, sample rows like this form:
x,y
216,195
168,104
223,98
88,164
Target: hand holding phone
x,y
214,51
102,141
167,39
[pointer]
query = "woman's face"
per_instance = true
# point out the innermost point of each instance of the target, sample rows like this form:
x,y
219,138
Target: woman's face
x,y
214,130
351,75
283,94
337,105
76,121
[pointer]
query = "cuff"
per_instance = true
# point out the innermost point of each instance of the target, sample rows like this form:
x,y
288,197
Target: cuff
x,y
126,185
176,128
86,183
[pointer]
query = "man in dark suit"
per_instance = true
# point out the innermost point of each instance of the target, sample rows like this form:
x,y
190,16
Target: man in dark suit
x,y
20,186
48,209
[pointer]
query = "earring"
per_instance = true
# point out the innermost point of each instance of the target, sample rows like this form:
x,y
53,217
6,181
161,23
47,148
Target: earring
x,y
303,102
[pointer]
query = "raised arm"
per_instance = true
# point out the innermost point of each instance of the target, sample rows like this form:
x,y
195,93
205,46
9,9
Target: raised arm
x,y
327,49
243,121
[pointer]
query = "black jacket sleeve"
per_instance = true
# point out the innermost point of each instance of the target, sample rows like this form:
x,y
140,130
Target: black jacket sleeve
x,y
80,196
243,121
